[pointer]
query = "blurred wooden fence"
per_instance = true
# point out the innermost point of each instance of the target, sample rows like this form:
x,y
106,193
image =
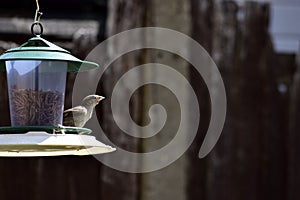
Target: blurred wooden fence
x,y
251,160
257,154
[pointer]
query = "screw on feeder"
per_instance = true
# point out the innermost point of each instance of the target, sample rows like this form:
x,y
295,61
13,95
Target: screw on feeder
x,y
36,21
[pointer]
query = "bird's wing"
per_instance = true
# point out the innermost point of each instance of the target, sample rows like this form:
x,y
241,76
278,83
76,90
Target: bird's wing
x,y
76,113
78,110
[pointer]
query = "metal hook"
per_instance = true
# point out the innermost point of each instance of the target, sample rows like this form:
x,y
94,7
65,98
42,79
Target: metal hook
x,y
35,32
36,22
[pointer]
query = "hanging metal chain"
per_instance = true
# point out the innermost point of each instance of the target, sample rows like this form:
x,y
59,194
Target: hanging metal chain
x,y
36,21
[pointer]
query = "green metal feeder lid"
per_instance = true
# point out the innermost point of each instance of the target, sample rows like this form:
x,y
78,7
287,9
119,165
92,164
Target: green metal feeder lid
x,y
38,48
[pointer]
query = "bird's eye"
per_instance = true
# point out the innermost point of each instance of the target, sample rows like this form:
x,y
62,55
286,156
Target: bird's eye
x,y
99,98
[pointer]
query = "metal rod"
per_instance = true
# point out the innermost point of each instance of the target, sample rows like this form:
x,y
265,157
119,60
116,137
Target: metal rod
x,y
38,14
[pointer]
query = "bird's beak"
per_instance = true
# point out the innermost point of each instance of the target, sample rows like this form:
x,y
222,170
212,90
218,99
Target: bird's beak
x,y
99,98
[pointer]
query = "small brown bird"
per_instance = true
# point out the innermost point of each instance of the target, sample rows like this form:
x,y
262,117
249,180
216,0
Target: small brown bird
x,y
79,115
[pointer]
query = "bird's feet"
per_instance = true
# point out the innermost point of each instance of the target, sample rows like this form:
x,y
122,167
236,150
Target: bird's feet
x,y
60,129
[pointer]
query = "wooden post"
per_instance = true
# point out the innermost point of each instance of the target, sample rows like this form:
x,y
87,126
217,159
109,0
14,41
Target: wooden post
x,y
116,185
169,182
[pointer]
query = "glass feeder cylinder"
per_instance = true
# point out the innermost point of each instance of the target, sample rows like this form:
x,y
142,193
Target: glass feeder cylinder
x,y
36,91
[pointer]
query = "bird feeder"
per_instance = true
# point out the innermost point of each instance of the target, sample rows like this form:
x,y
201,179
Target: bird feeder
x,y
36,79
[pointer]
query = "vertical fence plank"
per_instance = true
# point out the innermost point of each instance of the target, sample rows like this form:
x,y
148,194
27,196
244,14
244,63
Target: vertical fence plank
x,y
222,170
252,96
293,142
168,182
116,185
201,30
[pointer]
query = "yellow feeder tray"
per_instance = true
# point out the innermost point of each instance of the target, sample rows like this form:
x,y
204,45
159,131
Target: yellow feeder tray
x,y
33,144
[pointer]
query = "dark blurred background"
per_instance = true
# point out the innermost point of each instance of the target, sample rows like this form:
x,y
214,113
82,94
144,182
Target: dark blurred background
x,y
255,45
